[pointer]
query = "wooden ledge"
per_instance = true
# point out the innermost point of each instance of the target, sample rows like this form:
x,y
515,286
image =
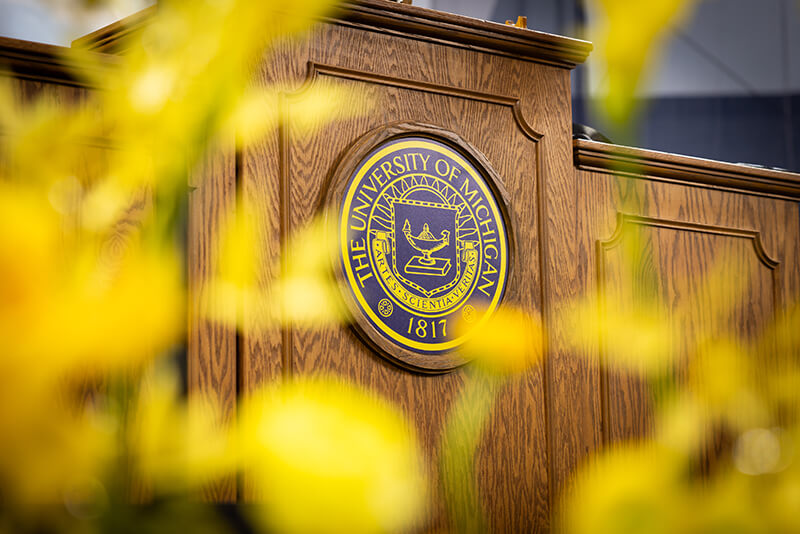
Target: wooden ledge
x,y
403,20
637,162
114,37
469,32
44,62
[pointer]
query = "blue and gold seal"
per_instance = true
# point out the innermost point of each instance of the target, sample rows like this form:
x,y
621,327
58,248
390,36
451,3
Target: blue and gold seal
x,y
423,243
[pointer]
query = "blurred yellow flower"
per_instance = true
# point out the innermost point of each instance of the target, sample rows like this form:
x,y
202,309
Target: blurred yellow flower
x,y
723,378
48,445
628,35
758,451
681,423
304,293
328,457
176,446
781,500
64,303
309,109
629,488
123,314
510,341
150,91
29,238
726,504
308,292
635,338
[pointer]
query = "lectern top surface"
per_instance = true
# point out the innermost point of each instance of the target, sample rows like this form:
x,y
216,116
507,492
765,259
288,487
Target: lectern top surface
x,y
401,19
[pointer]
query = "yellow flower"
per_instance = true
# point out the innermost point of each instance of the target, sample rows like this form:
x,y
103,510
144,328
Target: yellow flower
x,y
28,260
48,446
177,446
630,488
634,334
628,35
131,314
328,457
304,292
510,341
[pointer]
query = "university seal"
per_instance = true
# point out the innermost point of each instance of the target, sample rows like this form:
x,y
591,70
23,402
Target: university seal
x,y
423,244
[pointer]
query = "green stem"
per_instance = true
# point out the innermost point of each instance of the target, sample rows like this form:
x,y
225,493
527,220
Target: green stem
x,y
462,435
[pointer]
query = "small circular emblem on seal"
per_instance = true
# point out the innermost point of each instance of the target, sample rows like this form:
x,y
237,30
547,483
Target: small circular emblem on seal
x,y
423,244
385,307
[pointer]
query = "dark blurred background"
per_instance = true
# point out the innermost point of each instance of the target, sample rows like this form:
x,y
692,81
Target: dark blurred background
x,y
726,84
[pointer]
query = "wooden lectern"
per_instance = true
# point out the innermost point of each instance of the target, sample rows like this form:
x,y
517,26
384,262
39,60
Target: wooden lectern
x,y
499,97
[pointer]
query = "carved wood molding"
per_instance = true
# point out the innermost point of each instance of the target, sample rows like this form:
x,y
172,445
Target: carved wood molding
x,y
47,63
512,102
686,170
402,20
626,221
115,37
466,32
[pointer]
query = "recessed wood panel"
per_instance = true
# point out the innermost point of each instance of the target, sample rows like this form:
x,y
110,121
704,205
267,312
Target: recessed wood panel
x,y
708,283
689,227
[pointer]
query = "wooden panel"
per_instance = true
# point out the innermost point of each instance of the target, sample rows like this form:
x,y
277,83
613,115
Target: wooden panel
x,y
212,360
685,228
673,262
504,119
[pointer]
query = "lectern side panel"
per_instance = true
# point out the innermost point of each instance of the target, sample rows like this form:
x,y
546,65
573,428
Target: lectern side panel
x,y
664,272
712,268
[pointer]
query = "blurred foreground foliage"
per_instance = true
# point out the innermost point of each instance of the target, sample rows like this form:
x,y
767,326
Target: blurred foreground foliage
x,y
93,302
629,36
717,451
92,298
720,451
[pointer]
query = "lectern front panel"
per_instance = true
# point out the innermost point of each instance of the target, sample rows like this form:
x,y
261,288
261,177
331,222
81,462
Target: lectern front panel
x,y
515,115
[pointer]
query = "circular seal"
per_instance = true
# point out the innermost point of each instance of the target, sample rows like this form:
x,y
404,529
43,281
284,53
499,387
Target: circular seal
x,y
422,242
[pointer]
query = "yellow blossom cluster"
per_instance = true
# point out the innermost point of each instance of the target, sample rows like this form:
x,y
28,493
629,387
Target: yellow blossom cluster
x,y
93,297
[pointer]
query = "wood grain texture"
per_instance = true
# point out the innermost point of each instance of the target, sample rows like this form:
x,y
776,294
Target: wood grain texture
x,y
489,112
684,232
212,348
